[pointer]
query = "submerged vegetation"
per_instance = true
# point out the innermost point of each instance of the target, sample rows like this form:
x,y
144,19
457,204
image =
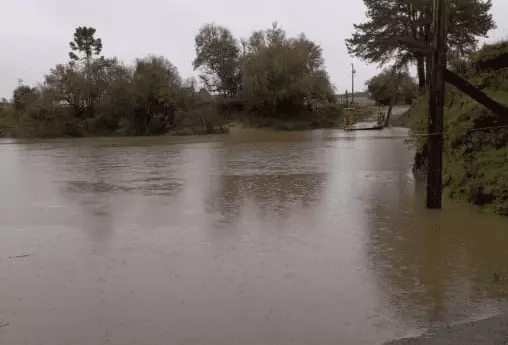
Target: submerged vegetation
x,y
268,79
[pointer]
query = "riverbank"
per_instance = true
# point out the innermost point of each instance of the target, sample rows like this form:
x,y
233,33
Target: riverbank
x,y
330,117
492,330
475,139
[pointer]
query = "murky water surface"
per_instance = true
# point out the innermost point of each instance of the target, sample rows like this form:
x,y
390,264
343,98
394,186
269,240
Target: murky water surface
x,y
253,238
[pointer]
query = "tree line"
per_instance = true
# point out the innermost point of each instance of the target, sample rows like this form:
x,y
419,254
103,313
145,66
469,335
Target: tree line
x,y
268,74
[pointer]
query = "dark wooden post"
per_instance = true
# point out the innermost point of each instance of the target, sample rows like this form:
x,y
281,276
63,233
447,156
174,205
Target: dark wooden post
x,y
353,72
436,108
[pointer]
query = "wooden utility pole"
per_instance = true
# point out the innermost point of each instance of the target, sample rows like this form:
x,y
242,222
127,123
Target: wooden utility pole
x,y
436,108
353,72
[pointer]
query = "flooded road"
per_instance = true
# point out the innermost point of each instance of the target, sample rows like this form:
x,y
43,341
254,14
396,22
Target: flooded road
x,y
252,238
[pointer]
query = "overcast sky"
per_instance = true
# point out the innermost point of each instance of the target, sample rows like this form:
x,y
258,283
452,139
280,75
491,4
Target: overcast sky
x,y
35,34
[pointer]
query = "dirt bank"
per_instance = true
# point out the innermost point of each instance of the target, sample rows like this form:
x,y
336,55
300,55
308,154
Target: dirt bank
x,y
492,331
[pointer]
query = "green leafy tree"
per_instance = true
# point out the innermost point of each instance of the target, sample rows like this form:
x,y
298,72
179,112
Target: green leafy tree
x,y
43,113
392,22
392,86
217,56
113,94
22,96
157,86
63,100
283,76
68,87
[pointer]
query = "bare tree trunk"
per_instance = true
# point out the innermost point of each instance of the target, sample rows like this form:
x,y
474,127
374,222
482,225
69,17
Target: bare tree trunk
x,y
389,112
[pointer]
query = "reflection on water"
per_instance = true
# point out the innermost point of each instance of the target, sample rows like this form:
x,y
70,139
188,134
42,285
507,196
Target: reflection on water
x,y
287,194
439,266
256,237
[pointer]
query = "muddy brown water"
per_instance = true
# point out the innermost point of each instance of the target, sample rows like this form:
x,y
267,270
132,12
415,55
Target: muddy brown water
x,y
252,238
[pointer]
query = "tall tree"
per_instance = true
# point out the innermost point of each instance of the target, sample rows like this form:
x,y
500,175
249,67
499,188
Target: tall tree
x,y
378,40
85,44
217,55
84,47
282,76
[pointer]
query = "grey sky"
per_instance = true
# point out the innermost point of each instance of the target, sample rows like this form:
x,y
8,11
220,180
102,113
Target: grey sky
x,y
35,34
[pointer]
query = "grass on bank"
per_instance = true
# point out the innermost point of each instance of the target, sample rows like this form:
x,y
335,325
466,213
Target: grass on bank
x,y
476,140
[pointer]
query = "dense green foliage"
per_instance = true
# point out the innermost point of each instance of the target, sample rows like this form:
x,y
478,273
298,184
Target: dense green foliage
x,y
284,75
268,77
377,40
392,87
7,119
217,56
476,147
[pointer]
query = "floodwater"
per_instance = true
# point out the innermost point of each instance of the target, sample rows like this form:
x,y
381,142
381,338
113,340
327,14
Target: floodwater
x,y
316,237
